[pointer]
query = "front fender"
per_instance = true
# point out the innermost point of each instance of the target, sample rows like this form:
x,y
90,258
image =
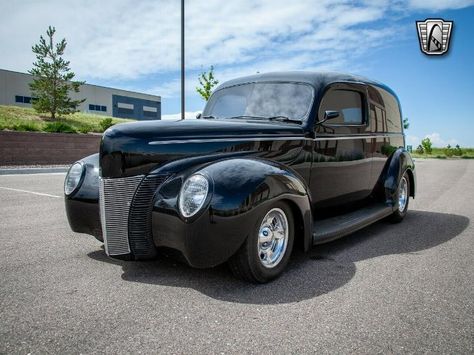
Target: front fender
x,y
243,185
242,190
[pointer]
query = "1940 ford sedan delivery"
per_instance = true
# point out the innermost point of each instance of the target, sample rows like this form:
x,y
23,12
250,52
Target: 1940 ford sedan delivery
x,y
275,161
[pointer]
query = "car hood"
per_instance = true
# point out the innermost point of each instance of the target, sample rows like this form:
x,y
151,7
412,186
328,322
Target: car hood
x,y
136,148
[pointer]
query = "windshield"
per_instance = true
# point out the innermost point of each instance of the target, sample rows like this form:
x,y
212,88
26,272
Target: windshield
x,y
261,100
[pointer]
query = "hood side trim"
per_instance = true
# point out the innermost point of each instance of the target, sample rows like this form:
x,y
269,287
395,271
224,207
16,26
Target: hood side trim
x,y
224,140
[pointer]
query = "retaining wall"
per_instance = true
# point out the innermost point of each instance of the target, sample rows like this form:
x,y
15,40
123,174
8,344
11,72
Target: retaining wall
x,y
34,148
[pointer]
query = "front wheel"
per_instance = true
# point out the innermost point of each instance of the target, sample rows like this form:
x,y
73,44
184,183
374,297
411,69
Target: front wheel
x,y
265,253
403,196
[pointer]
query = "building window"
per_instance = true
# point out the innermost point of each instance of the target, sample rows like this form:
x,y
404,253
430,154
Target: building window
x,y
150,112
25,99
125,109
97,108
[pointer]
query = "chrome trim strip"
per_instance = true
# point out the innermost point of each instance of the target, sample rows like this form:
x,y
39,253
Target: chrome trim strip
x,y
388,135
225,140
250,139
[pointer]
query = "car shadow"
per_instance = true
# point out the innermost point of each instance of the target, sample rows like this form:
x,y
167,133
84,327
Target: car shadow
x,y
323,269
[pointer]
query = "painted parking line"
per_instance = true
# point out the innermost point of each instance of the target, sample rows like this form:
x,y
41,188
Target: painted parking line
x,y
22,173
29,192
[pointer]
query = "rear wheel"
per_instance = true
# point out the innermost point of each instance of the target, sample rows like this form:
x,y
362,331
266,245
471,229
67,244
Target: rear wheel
x,y
403,196
265,253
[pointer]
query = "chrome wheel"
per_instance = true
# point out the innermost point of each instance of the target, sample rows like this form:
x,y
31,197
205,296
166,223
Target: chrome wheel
x,y
272,238
402,194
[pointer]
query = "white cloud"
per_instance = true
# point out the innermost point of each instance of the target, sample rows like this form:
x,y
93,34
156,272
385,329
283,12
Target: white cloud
x,y
129,39
438,141
132,40
439,4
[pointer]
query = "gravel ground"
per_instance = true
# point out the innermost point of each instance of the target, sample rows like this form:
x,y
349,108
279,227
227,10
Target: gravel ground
x,y
386,289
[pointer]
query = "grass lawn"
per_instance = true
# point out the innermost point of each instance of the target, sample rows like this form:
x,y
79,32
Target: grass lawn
x,y
443,153
26,119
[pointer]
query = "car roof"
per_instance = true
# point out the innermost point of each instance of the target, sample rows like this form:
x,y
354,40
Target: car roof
x,y
319,80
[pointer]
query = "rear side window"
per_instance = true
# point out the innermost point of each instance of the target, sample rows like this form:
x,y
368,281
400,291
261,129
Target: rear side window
x,y
392,109
347,102
384,111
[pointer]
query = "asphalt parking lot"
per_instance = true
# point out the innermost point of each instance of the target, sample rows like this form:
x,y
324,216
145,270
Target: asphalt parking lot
x,y
401,288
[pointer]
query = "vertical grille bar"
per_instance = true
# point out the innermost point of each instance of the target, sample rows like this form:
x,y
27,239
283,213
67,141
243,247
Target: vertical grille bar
x,y
140,225
115,198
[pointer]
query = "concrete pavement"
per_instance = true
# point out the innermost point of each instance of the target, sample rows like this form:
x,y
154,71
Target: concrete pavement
x,y
389,288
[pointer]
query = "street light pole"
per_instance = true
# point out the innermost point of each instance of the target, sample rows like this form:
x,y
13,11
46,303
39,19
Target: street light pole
x,y
183,108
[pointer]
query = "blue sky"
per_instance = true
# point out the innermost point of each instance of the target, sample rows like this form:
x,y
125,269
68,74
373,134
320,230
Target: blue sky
x,y
134,44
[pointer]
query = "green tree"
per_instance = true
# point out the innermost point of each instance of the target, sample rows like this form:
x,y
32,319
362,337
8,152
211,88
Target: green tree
x,y
207,82
406,124
53,78
427,145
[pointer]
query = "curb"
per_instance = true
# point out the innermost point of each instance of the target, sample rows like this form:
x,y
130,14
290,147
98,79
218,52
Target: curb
x,y
14,171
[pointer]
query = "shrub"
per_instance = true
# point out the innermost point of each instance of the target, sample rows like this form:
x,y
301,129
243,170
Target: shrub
x,y
457,151
106,123
420,150
448,151
427,145
85,129
26,126
59,127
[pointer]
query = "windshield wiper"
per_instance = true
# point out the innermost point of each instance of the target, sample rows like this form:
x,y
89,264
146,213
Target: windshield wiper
x,y
209,117
283,119
271,118
249,116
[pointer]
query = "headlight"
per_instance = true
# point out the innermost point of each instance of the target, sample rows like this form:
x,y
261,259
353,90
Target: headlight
x,y
193,195
73,178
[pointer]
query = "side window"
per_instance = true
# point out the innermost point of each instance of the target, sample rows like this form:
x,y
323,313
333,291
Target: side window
x,y
393,117
347,102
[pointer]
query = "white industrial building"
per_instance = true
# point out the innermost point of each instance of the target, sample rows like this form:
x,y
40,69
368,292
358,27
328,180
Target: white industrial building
x,y
15,90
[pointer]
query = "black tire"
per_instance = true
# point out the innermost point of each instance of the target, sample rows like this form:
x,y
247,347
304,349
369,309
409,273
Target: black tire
x,y
398,215
247,264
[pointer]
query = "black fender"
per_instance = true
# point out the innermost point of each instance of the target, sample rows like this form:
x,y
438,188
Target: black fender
x,y
399,163
241,189
243,185
82,207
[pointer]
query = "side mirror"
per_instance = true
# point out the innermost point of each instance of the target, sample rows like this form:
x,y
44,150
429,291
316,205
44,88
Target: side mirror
x,y
329,115
198,116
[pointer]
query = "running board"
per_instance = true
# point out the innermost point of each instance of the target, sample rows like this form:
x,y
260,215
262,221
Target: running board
x,y
336,227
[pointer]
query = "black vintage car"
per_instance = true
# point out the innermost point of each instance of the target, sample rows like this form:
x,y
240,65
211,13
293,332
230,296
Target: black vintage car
x,y
275,161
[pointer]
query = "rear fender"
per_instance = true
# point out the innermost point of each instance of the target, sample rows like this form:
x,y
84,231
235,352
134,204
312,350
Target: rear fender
x,y
399,163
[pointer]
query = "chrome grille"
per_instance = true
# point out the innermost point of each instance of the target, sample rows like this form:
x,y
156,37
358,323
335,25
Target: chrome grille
x,y
115,198
140,234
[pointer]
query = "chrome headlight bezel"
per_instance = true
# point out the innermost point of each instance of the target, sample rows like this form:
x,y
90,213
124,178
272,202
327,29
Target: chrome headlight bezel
x,y
77,172
188,191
